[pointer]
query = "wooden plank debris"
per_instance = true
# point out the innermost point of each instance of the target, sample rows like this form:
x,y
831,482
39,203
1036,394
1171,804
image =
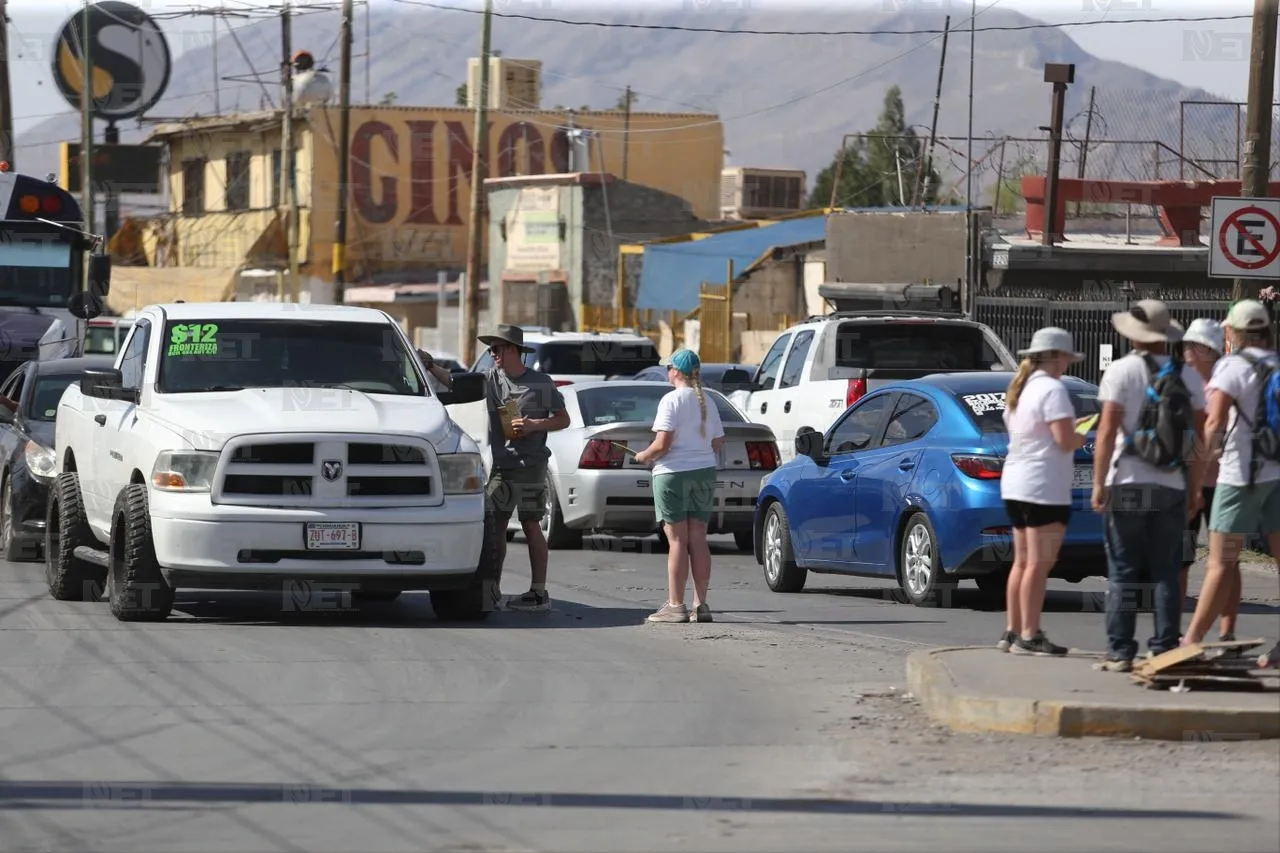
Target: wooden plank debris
x,y
1203,666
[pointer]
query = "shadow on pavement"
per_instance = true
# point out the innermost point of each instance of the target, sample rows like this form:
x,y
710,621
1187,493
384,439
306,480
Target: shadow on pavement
x,y
16,795
411,610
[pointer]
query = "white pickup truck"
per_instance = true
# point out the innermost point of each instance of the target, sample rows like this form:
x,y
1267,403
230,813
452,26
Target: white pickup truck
x,y
817,369
260,446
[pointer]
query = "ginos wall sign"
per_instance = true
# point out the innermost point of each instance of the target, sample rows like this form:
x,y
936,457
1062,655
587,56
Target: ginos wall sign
x,y
129,57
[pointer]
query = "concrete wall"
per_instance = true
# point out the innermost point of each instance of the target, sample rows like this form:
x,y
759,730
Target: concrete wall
x,y
776,288
875,248
636,213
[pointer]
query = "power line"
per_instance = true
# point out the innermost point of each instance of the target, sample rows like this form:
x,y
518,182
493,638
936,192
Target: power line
x,y
617,25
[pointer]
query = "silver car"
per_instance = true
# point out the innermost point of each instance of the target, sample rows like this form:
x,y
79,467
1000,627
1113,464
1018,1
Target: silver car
x,y
593,485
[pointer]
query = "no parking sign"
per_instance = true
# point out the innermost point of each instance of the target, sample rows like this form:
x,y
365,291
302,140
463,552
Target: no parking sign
x,y
1246,238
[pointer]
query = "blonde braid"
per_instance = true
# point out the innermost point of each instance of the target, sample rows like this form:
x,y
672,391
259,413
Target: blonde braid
x,y
1019,381
702,400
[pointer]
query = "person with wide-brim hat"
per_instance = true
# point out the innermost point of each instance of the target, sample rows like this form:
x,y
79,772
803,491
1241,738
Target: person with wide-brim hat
x,y
523,406
1035,482
506,334
1145,507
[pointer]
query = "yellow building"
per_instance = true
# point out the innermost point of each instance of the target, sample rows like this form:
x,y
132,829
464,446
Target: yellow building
x,y
409,183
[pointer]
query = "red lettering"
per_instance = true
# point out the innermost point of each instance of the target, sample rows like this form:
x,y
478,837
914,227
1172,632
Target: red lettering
x,y
508,154
560,151
422,208
361,166
460,154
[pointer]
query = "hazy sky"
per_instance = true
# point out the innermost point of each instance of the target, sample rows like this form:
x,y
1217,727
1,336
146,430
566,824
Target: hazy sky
x,y
1209,55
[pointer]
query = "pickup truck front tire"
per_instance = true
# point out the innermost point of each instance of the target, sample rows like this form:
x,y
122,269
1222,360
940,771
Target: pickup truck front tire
x,y
138,591
66,528
461,605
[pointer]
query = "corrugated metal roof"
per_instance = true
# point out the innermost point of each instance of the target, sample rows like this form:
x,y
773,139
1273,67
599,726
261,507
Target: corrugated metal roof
x,y
673,273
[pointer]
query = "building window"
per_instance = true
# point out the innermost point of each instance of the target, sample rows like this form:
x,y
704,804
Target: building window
x,y
237,196
775,192
193,186
277,168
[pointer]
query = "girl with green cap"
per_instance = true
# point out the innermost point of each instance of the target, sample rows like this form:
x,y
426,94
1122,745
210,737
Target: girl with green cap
x,y
683,455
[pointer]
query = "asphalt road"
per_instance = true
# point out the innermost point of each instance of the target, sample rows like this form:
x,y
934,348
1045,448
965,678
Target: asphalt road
x,y
243,724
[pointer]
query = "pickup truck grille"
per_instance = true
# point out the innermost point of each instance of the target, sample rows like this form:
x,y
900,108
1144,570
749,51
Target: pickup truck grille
x,y
327,471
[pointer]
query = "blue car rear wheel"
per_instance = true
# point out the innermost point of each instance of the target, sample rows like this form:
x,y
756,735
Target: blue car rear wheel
x,y
920,566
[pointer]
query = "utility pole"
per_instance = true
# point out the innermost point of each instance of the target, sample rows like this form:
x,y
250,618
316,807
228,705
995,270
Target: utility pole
x,y
86,131
1256,175
1060,75
920,193
479,153
344,134
969,298
626,133
7,148
288,193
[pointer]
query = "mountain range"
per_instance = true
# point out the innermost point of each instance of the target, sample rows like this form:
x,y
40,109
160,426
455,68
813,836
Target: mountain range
x,y
785,101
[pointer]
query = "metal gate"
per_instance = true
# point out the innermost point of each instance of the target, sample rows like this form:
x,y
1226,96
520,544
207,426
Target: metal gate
x,y
1015,320
715,324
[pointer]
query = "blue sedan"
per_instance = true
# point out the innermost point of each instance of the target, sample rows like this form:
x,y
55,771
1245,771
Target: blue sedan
x,y
906,485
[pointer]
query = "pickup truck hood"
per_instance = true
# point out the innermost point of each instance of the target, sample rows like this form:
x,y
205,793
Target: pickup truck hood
x,y
208,420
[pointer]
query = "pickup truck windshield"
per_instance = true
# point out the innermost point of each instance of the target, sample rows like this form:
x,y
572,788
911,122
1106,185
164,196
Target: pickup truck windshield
x,y
228,355
987,410
927,346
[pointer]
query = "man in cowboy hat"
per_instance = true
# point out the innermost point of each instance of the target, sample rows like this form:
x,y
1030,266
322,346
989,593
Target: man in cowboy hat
x,y
1146,507
518,480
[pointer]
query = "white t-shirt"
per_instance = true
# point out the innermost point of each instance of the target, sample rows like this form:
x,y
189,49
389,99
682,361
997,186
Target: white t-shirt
x,y
690,450
1036,469
1235,377
1125,382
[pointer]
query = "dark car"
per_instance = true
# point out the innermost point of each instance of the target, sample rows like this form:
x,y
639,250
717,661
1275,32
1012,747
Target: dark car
x,y
27,462
713,376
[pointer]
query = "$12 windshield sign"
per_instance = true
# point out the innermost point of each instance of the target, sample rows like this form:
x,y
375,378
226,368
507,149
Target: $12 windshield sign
x,y
193,339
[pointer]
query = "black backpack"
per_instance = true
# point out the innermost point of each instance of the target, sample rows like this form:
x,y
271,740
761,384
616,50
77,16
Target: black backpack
x,y
1165,435
1265,420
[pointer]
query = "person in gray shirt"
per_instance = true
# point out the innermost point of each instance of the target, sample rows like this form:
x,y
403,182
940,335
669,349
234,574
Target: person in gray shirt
x,y
524,405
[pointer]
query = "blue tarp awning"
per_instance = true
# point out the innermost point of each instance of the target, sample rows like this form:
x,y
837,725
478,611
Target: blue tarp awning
x,y
673,273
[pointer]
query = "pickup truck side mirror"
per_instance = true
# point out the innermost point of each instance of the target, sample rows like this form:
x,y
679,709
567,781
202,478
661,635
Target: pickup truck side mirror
x,y
809,443
100,275
467,388
106,384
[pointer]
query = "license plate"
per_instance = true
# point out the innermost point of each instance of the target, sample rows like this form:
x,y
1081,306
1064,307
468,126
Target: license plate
x,y
1082,477
333,536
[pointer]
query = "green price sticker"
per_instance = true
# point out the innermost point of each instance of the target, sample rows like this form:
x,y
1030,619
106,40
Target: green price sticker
x,y
194,339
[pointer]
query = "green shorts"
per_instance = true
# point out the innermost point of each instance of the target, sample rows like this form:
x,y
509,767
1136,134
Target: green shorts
x,y
684,495
1246,510
517,491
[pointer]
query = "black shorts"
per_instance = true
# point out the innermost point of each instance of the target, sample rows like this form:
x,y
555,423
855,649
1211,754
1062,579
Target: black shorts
x,y
1192,538
1024,514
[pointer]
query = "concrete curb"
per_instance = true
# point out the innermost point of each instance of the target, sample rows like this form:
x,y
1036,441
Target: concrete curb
x,y
945,701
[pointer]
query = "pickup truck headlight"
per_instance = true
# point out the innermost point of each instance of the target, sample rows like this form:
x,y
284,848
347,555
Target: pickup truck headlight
x,y
41,461
184,470
462,473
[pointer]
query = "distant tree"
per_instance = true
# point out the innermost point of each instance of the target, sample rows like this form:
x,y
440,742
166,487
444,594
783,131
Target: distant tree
x,y
388,99
878,168
626,100
460,95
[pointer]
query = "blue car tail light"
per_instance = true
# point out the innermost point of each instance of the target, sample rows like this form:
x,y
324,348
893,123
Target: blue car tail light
x,y
978,466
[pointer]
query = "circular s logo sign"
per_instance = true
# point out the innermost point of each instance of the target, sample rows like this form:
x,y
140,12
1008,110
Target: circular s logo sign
x,y
128,57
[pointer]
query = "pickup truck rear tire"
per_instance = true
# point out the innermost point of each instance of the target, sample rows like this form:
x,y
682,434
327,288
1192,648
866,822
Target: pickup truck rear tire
x,y
920,565
781,572
67,528
138,591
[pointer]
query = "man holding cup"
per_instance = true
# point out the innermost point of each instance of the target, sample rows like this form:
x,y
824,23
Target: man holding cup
x,y
524,405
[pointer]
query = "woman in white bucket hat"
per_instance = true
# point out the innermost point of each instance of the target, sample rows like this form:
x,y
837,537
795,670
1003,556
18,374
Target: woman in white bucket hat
x,y
1036,482
1204,343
